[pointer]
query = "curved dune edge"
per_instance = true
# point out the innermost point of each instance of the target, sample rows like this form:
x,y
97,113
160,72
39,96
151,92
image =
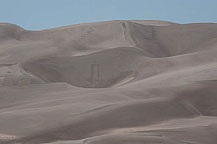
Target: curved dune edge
x,y
124,81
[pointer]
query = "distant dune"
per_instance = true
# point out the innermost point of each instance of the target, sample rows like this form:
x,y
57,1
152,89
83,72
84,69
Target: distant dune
x,y
113,82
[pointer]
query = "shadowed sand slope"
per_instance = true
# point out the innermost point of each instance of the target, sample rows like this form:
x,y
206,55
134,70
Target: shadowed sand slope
x,y
113,82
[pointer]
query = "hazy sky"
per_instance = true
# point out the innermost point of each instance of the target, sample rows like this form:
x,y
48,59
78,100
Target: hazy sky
x,y
43,14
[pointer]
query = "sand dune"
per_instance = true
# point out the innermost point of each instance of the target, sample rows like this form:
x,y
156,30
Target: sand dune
x,y
109,82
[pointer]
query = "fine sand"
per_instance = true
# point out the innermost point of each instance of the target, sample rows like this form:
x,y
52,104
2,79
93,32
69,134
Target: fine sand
x,y
113,82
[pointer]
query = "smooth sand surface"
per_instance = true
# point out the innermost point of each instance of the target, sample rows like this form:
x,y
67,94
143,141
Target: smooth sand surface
x,y
113,82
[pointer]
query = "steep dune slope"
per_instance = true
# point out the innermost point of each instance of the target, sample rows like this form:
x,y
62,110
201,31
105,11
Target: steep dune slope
x,y
79,38
102,69
188,38
109,82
